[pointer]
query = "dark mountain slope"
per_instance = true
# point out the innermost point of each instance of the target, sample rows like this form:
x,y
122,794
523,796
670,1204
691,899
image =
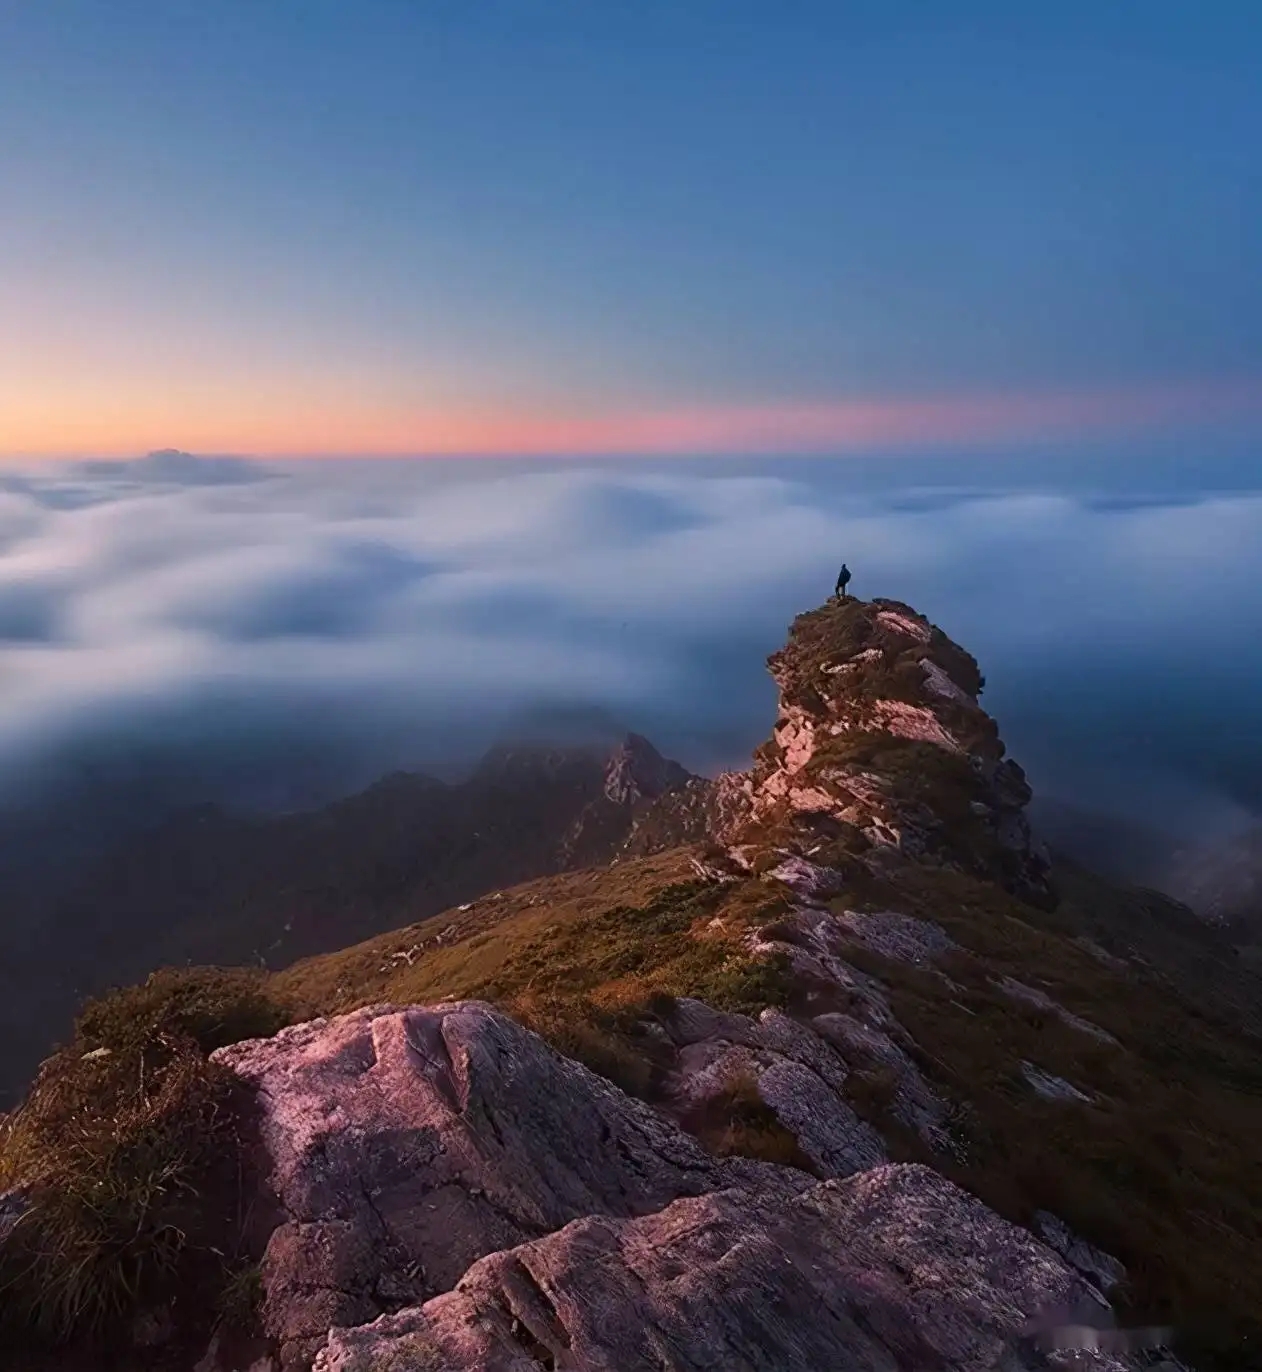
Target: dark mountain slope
x,y
210,886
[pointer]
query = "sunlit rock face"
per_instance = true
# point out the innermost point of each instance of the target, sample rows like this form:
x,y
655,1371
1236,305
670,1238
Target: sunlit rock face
x,y
880,730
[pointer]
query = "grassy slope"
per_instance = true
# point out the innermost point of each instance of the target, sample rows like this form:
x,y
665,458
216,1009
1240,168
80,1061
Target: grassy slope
x,y
1161,1169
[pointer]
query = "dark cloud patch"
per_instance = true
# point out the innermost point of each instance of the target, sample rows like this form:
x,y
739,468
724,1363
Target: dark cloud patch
x,y
170,466
28,614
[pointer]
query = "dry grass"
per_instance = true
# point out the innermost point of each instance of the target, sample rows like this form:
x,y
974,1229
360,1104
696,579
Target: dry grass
x,y
129,1147
1162,1167
578,958
739,1123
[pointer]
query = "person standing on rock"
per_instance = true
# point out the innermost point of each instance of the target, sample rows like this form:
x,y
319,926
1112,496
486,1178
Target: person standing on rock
x,y
843,580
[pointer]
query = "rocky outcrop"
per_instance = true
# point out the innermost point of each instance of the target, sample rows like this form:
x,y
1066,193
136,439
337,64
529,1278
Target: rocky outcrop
x,y
795,1073
636,771
890,1271
451,1194
405,1144
878,731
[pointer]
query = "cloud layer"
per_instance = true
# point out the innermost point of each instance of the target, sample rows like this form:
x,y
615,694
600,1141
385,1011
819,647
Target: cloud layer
x,y
343,619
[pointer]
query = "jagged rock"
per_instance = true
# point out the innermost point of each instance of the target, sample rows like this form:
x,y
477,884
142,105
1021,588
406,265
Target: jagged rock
x,y
860,684
806,880
636,771
888,1271
913,1102
1050,1086
797,1075
404,1144
1031,995
1094,1264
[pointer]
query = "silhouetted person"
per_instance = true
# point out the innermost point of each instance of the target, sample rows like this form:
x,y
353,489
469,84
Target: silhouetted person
x,y
843,580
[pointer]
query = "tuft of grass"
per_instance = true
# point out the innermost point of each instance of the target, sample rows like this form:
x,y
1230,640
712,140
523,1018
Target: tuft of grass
x,y
129,1148
240,1303
739,1123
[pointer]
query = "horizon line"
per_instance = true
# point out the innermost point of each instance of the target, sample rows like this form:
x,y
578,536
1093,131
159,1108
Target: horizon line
x,y
768,430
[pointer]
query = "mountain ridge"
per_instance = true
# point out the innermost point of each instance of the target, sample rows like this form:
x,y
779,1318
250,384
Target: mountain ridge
x,y
851,967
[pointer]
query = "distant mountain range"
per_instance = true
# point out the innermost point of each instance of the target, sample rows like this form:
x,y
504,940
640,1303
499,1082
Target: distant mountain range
x,y
208,885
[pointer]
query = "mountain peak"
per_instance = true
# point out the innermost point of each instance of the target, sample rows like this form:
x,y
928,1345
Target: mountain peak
x,y
635,771
879,731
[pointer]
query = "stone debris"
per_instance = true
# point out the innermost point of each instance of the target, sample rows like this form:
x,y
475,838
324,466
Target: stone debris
x,y
1049,1086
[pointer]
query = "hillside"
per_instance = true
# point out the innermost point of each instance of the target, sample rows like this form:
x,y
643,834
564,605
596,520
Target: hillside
x,y
829,1067
210,886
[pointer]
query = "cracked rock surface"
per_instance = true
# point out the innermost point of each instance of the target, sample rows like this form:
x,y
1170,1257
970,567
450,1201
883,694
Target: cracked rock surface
x,y
405,1144
892,1270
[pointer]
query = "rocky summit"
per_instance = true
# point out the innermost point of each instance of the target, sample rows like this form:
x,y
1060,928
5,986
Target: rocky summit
x,y
822,1065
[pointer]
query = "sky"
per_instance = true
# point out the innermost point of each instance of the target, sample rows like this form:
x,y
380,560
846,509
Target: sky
x,y
387,227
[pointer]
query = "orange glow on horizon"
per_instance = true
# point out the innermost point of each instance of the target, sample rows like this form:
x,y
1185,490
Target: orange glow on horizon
x,y
789,428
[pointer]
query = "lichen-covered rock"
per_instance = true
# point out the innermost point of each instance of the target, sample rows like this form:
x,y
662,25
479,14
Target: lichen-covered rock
x,y
404,1144
1040,1000
894,1270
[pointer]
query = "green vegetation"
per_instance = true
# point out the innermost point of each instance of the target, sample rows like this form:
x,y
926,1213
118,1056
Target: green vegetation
x,y
129,1147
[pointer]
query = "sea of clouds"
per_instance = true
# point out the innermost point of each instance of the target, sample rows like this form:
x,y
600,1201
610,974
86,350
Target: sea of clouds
x,y
276,634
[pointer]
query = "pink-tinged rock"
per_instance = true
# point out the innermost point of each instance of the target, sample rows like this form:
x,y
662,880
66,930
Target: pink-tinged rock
x,y
795,734
904,626
807,880
404,1144
894,1270
942,686
914,722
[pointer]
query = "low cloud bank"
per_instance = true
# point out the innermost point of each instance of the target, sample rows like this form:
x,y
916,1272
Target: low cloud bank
x,y
272,635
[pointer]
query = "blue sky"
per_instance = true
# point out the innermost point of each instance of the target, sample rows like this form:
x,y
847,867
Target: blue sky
x,y
389,226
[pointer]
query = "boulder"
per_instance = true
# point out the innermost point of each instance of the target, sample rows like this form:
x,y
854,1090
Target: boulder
x,y
405,1144
894,1270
